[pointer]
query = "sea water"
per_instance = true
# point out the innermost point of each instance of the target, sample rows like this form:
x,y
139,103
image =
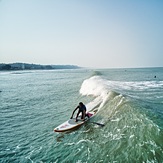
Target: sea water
x,y
130,105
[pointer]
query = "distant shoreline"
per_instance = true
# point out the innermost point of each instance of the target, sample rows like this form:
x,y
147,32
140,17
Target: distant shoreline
x,y
28,66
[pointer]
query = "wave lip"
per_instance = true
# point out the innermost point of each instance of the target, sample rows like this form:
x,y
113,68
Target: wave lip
x,y
95,86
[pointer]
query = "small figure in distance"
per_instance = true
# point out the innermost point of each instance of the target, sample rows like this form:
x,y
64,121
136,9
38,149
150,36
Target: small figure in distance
x,y
82,109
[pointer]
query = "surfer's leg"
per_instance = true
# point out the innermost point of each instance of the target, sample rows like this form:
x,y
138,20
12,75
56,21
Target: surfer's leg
x,y
77,116
83,115
87,115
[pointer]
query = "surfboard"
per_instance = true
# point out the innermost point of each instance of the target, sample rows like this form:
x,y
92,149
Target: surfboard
x,y
71,124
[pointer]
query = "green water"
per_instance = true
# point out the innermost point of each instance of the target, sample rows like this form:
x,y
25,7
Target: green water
x,y
33,103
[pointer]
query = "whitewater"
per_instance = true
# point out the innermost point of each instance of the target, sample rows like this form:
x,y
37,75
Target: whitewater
x,y
129,104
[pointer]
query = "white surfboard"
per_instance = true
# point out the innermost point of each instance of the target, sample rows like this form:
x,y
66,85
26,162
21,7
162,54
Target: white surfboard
x,y
71,124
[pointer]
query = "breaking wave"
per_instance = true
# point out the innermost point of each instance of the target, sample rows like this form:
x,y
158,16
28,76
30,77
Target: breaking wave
x,y
126,123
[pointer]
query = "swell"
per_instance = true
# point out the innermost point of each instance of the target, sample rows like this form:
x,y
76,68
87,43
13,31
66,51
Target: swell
x,y
97,87
96,73
128,130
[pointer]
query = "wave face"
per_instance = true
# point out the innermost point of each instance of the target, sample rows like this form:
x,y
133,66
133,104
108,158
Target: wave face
x,y
129,130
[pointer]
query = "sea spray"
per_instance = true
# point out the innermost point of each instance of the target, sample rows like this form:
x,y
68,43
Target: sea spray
x,y
96,87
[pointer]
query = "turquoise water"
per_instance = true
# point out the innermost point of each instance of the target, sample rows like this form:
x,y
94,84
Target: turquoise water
x,y
130,102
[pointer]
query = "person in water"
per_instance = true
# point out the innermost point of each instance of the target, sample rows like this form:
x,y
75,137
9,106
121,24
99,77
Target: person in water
x,y
82,109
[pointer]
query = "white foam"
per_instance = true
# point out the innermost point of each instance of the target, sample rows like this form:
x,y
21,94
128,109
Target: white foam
x,y
83,140
95,86
137,85
104,89
131,136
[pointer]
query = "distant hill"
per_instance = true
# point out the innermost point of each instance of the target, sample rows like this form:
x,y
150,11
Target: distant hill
x,y
27,66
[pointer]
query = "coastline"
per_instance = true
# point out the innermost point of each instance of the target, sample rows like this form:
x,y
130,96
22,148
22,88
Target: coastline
x,y
28,66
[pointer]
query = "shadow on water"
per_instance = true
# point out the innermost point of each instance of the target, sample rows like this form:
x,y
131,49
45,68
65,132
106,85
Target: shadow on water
x,y
60,137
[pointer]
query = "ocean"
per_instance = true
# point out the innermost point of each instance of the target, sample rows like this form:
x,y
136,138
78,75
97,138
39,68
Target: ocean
x,y
129,104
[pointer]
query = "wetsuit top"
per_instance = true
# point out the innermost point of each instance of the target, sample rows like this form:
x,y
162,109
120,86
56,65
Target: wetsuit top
x,y
81,108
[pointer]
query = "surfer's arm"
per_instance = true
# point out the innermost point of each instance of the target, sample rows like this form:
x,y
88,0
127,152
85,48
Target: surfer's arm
x,y
74,112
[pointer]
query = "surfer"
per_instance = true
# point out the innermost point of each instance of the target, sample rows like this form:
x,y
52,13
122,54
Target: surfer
x,y
82,109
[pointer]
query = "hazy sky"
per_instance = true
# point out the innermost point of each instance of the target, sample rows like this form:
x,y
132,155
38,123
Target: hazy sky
x,y
89,33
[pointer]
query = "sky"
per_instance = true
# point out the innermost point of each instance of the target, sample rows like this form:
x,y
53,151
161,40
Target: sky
x,y
87,33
